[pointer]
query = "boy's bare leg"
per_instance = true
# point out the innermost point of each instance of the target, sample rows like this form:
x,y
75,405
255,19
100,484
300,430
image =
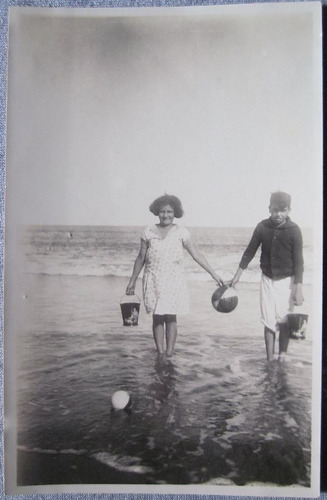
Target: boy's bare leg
x,y
284,338
270,343
158,332
171,333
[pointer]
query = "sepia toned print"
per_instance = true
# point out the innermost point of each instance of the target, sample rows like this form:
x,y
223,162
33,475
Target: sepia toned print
x,y
109,109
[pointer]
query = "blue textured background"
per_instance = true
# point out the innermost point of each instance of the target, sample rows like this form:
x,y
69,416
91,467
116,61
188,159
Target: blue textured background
x,y
4,8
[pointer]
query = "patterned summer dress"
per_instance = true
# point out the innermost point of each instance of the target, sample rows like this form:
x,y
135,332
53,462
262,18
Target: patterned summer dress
x,y
164,282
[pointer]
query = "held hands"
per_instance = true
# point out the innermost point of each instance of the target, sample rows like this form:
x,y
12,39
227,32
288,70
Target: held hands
x,y
235,280
218,279
231,283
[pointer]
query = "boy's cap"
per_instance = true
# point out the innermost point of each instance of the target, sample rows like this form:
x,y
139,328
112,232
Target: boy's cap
x,y
280,199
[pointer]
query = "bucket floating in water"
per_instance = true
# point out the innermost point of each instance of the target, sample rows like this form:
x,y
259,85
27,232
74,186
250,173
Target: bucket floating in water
x,y
130,309
224,299
297,323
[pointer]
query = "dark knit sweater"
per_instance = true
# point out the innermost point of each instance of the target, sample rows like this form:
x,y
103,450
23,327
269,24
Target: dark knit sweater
x,y
281,250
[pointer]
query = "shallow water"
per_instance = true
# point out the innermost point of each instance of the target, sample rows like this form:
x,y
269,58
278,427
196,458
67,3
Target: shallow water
x,y
214,410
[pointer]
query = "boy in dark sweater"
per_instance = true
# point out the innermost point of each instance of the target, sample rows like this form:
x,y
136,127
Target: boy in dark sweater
x,y
281,263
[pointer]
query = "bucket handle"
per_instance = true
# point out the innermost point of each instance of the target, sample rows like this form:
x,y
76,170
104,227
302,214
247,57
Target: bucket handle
x,y
130,296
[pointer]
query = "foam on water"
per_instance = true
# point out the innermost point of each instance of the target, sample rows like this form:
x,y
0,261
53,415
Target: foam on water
x,y
215,410
122,463
111,251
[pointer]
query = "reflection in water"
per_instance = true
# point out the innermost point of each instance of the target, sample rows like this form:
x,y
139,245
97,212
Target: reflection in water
x,y
270,446
164,386
213,413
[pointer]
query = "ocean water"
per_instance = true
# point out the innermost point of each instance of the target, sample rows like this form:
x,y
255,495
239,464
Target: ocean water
x,y
110,251
215,413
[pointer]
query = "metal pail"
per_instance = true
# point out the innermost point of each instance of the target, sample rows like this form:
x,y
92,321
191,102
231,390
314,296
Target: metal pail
x,y
297,323
130,309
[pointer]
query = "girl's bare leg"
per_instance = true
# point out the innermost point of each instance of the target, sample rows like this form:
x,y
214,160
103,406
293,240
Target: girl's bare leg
x,y
158,332
171,333
270,343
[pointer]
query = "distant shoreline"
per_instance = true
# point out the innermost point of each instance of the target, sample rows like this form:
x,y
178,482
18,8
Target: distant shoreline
x,y
138,226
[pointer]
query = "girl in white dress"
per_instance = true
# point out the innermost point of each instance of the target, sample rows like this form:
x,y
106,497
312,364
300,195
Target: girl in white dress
x,y
164,284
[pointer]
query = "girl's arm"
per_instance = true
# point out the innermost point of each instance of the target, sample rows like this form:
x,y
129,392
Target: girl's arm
x,y
201,260
138,265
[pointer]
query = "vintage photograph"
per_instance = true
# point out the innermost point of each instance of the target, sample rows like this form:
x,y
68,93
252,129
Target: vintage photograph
x,y
163,282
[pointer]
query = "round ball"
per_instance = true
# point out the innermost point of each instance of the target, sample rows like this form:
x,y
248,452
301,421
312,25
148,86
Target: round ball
x,y
120,400
224,299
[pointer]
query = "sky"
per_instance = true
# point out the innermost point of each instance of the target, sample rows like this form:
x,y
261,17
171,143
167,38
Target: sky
x,y
109,109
